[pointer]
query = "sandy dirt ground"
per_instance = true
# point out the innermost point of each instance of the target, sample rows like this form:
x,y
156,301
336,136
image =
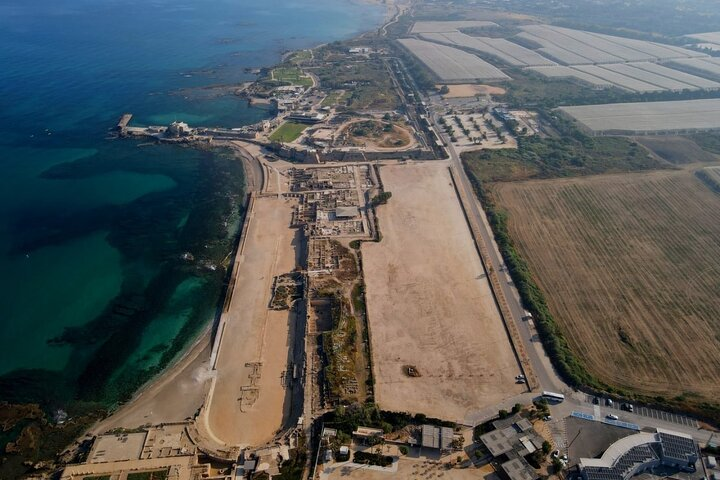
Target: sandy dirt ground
x,y
173,397
630,266
383,142
253,333
417,464
470,90
430,305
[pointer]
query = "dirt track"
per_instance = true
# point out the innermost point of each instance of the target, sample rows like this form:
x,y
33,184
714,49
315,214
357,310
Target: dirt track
x,y
255,334
630,266
430,305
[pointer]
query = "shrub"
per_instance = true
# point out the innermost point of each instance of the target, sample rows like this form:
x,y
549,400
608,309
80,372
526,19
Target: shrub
x,y
381,198
372,459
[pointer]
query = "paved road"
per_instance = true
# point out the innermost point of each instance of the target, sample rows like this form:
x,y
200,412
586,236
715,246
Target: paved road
x,y
547,377
641,411
643,417
546,374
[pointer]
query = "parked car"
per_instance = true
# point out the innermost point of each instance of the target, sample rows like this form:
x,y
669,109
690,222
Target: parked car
x,y
609,402
612,417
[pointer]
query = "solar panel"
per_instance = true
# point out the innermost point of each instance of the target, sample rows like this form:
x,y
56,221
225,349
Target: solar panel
x,y
676,447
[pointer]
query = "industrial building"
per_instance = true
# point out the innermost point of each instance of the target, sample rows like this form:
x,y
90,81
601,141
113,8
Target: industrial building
x,y
513,438
436,437
641,453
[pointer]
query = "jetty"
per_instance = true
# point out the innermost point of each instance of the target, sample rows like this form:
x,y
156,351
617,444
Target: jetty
x,y
122,124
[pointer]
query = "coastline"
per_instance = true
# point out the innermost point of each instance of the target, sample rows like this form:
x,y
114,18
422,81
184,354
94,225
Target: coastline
x,y
193,359
165,396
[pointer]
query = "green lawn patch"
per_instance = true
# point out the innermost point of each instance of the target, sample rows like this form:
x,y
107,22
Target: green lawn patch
x,y
332,99
292,75
287,132
300,56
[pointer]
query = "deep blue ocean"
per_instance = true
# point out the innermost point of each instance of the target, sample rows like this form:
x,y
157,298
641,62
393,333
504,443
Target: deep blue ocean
x,y
95,298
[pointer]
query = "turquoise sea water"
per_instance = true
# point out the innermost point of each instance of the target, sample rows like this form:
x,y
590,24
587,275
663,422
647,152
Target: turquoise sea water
x,y
94,297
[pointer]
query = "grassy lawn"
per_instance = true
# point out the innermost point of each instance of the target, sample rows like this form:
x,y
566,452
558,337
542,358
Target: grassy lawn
x,y
333,99
300,56
287,132
292,75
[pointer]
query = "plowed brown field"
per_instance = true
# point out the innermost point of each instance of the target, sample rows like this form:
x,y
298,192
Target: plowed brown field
x,y
630,266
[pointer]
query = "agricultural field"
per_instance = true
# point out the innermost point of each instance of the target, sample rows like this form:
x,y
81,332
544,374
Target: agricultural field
x,y
430,306
574,47
648,117
652,78
618,79
288,132
595,59
711,175
606,60
638,77
561,46
500,48
710,40
451,64
709,67
686,78
435,27
561,71
630,267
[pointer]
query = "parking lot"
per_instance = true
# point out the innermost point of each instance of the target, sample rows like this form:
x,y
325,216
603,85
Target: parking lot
x,y
649,412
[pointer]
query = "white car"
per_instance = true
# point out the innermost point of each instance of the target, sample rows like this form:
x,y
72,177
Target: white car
x,y
612,417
